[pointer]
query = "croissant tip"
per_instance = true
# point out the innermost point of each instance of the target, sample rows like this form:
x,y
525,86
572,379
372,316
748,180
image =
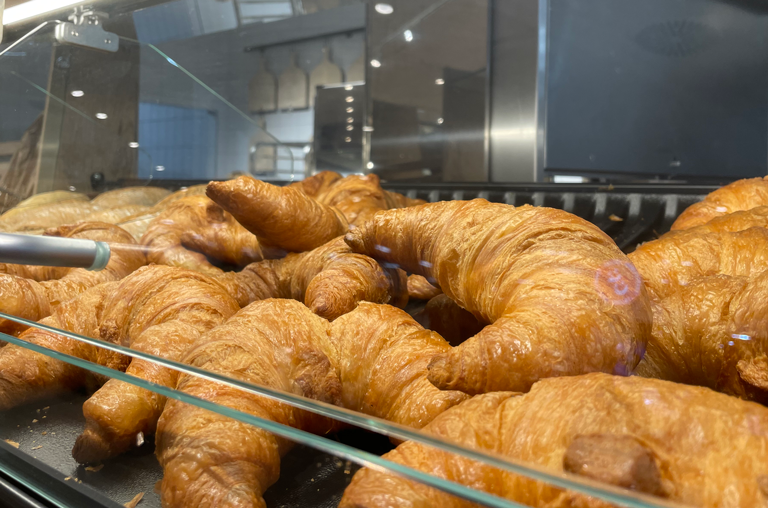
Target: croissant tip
x,y
438,371
90,448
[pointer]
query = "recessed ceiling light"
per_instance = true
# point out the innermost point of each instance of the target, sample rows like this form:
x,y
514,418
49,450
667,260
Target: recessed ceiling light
x,y
350,110
159,169
375,63
350,99
348,139
384,9
440,121
350,119
439,81
408,36
101,116
348,87
369,165
349,128
77,93
133,144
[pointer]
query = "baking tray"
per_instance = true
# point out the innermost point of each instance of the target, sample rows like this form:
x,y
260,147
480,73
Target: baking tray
x,y
307,477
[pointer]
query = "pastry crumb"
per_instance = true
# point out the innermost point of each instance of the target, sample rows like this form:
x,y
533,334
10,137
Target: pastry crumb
x,y
44,433
34,421
67,478
46,407
133,502
615,218
37,447
94,469
12,443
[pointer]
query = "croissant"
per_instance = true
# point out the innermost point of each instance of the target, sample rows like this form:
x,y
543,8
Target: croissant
x,y
371,360
739,195
712,332
33,218
138,223
736,221
159,310
318,184
420,288
448,319
26,376
280,217
203,224
330,280
142,196
560,296
642,434
116,214
677,258
45,198
35,300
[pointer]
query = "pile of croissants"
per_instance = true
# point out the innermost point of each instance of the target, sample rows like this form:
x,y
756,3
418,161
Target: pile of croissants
x,y
540,340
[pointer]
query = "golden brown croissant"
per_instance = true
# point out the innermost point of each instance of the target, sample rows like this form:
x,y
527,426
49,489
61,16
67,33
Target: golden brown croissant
x,y
419,288
142,196
198,215
713,332
26,376
677,258
371,360
739,195
281,217
330,280
647,435
736,221
159,310
46,198
138,223
448,319
561,297
33,218
35,300
316,185
116,214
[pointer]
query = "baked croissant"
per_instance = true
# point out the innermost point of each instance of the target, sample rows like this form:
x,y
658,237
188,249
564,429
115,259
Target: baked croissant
x,y
683,443
419,288
116,214
677,258
330,280
371,360
26,376
560,296
142,196
138,223
33,218
713,332
280,217
159,310
46,198
213,227
739,195
736,221
35,300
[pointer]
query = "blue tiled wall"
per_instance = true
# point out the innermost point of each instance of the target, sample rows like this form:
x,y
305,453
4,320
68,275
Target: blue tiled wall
x,y
181,140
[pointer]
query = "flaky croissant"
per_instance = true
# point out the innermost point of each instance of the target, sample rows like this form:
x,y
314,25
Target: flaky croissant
x,y
204,225
138,223
739,195
331,280
26,376
371,360
679,257
736,221
642,434
280,217
561,297
448,319
713,332
34,218
33,300
419,288
159,310
142,196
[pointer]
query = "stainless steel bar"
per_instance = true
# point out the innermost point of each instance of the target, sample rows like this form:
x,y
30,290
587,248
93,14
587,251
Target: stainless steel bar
x,y
53,251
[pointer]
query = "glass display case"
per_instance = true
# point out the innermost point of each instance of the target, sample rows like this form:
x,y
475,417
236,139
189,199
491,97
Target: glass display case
x,y
365,254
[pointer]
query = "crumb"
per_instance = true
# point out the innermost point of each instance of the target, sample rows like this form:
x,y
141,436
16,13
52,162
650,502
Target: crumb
x,y
95,469
37,447
46,407
44,433
12,443
34,421
38,411
133,502
615,218
53,433
43,416
311,479
67,478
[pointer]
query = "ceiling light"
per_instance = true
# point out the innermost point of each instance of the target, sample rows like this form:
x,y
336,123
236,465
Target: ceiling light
x,y
133,144
307,148
350,119
439,81
72,188
348,87
350,99
348,139
367,129
349,128
350,110
408,36
101,116
375,63
34,8
369,165
384,8
77,93
440,121
159,169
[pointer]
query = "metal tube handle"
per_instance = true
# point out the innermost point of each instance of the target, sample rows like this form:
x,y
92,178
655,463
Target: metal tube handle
x,y
53,251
